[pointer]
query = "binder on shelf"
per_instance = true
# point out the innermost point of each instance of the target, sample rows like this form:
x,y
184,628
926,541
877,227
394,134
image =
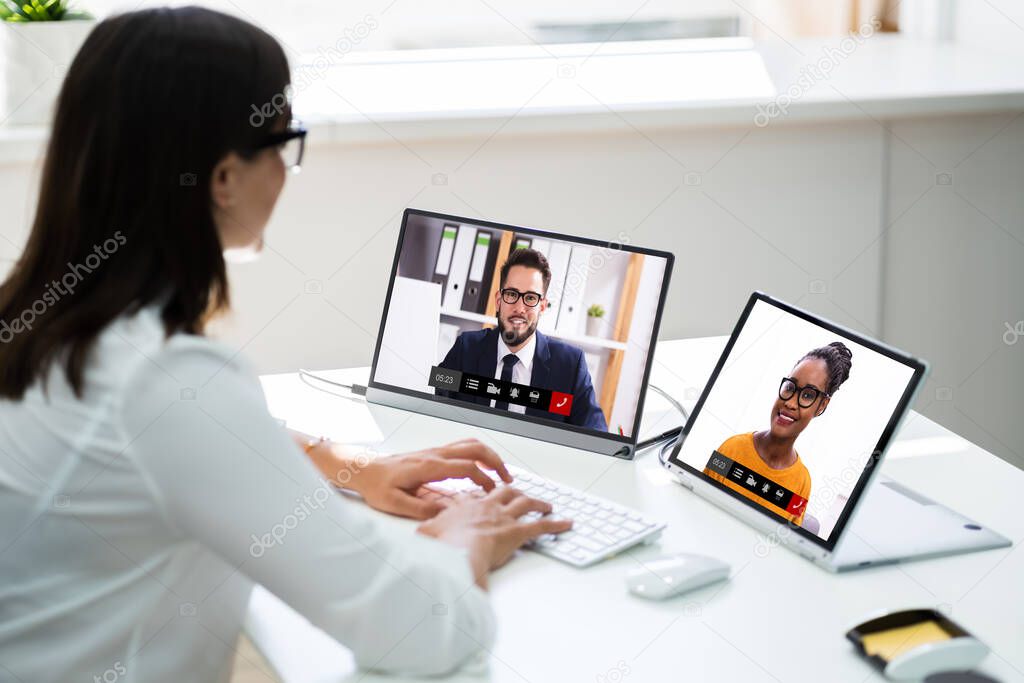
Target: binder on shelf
x,y
571,312
444,255
481,271
521,243
558,260
459,271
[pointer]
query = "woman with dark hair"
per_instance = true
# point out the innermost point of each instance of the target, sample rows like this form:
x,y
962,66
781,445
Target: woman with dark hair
x,y
771,453
144,488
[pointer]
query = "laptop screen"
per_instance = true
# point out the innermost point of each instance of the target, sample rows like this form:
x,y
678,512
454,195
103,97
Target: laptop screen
x,y
529,324
795,415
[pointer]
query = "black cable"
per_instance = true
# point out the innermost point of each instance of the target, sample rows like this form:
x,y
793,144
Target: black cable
x,y
669,445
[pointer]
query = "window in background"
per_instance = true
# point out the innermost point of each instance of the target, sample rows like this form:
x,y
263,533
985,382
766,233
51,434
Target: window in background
x,y
361,25
414,24
820,18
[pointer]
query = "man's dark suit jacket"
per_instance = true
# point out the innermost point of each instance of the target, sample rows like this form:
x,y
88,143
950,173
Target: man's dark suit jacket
x,y
556,366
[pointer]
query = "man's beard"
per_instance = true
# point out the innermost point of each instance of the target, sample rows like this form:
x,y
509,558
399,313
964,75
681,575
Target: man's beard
x,y
511,337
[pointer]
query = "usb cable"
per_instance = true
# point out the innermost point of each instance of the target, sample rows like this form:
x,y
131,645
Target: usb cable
x,y
355,389
671,435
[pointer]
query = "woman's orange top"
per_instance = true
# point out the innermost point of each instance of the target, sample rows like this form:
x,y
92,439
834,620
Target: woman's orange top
x,y
796,478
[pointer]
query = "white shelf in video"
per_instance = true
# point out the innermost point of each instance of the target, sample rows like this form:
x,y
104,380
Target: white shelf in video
x,y
579,339
586,340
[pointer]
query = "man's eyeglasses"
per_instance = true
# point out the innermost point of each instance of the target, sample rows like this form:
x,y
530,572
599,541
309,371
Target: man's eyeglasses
x,y
510,296
291,144
807,395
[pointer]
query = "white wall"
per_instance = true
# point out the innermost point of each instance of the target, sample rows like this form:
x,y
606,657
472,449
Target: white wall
x,y
954,270
993,25
777,212
305,26
797,210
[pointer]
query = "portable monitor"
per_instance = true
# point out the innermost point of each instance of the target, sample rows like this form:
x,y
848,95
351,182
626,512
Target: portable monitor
x,y
788,435
531,332
794,418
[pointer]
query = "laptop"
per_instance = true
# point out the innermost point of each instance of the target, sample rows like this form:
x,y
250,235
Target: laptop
x,y
788,435
521,330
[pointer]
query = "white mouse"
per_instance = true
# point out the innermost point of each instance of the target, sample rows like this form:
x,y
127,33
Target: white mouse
x,y
673,575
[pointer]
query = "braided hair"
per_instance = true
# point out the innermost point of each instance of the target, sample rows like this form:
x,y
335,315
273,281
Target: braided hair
x,y
838,359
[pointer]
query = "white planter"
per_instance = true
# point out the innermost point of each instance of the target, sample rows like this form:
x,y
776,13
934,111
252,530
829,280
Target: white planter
x,y
36,57
595,326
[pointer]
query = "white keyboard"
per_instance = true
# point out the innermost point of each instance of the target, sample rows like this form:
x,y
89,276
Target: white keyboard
x,y
600,528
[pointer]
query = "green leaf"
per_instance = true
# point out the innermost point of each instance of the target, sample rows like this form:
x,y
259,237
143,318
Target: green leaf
x,y
39,10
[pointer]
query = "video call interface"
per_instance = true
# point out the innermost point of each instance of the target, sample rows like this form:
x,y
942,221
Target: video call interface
x,y
548,328
794,417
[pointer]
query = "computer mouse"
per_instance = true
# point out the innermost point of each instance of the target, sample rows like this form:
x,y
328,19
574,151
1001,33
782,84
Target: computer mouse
x,y
673,575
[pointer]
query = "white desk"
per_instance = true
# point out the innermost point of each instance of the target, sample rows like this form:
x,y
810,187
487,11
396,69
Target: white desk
x,y
778,618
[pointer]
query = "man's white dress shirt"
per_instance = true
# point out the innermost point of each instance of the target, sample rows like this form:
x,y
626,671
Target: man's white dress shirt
x,y
522,371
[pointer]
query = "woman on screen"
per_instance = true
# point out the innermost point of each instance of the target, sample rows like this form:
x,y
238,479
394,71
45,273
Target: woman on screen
x,y
776,470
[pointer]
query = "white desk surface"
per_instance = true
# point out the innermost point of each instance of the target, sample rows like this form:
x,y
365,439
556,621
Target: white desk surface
x,y
779,617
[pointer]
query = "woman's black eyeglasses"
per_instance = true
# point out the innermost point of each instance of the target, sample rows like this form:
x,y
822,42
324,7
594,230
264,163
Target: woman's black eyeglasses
x,y
807,394
291,144
510,296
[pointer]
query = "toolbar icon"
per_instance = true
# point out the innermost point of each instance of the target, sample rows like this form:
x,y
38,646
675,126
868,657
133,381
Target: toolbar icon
x,y
796,505
561,403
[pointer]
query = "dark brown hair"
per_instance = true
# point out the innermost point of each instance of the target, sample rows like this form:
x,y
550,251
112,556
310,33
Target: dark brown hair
x,y
151,103
529,258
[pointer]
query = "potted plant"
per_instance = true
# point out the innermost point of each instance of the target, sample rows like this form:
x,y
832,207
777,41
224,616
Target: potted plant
x,y
595,316
40,39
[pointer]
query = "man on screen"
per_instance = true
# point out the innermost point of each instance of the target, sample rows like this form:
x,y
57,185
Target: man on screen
x,y
517,352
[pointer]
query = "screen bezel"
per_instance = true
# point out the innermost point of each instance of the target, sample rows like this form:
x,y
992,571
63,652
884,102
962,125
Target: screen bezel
x,y
919,370
507,415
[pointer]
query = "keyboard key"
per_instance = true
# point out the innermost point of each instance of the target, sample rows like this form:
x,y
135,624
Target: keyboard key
x,y
635,527
589,544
